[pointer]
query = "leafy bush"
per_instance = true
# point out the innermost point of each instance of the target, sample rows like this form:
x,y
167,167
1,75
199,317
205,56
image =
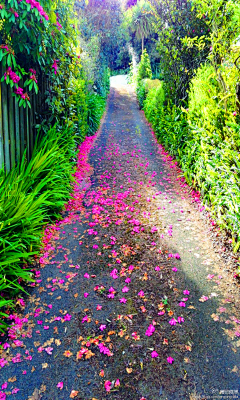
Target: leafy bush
x,y
153,103
78,108
141,93
96,106
102,83
30,195
144,68
144,75
205,141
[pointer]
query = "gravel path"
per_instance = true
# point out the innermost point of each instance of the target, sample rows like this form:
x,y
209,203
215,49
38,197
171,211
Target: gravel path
x,y
131,300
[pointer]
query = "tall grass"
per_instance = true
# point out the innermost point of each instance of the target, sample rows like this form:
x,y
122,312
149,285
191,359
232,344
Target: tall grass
x,y
30,196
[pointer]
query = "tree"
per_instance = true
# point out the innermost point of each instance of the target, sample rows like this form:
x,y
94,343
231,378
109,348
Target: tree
x,y
183,44
142,19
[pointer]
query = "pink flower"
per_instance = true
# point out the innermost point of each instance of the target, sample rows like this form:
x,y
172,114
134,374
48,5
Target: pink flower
x,y
86,275
234,113
170,360
210,276
114,273
172,321
102,327
60,385
125,289
85,319
2,395
108,385
186,292
46,327
128,280
3,362
86,295
174,269
4,385
48,350
150,330
154,354
157,268
14,391
55,66
67,317
98,307
123,300
12,75
117,383
141,293
180,319
182,304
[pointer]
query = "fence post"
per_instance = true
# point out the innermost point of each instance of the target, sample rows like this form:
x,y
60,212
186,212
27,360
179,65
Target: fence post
x,y
5,126
17,128
22,144
30,115
1,128
27,132
11,128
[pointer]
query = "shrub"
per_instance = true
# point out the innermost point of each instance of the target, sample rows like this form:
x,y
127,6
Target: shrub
x,y
154,101
96,107
205,141
144,68
30,196
141,93
78,108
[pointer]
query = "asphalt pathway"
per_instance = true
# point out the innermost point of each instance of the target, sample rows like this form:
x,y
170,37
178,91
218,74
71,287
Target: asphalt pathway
x,y
131,300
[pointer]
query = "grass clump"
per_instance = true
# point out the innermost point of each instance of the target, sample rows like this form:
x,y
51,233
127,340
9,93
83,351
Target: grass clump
x,y
30,196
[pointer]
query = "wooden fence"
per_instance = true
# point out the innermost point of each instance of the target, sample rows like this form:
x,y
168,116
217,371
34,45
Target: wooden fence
x,y
17,124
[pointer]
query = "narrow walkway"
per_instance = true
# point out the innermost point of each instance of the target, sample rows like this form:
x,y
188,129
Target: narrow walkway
x,y
131,301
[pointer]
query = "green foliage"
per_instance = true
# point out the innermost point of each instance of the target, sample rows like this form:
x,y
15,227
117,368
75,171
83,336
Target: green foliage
x,y
144,87
153,104
30,196
205,141
144,67
42,37
141,93
144,73
96,107
142,21
77,105
177,25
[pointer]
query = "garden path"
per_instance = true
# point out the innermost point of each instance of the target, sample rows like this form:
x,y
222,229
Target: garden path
x,y
132,301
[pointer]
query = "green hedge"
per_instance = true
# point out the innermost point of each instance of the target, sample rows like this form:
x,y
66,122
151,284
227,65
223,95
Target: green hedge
x,y
205,139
